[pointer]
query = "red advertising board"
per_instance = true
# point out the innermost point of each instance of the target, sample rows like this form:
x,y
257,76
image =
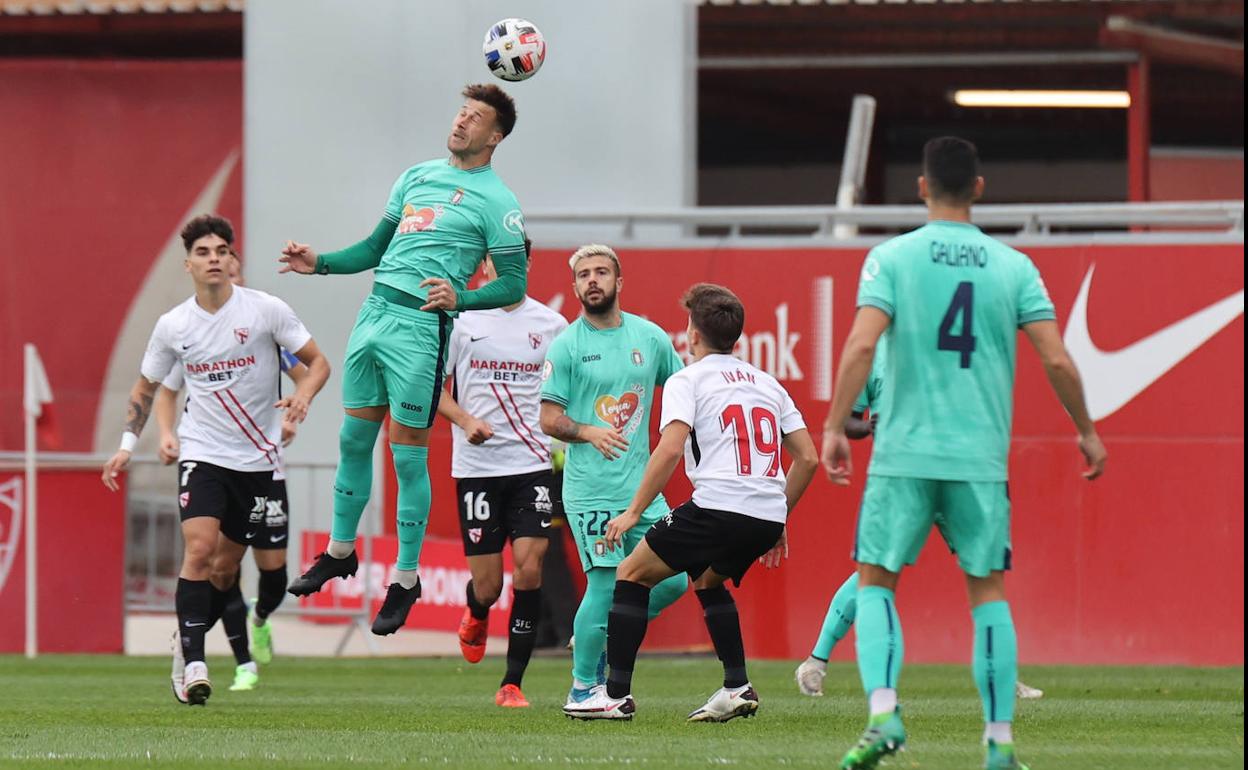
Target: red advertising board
x,y
443,577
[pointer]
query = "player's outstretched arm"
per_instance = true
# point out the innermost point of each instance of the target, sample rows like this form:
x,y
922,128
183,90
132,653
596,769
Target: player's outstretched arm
x,y
1067,384
659,469
356,258
296,404
138,410
165,407
476,430
801,447
856,357
556,423
507,289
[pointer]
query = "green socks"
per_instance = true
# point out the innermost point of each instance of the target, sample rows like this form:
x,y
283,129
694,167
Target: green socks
x,y
590,624
666,592
411,468
840,617
880,643
995,663
354,479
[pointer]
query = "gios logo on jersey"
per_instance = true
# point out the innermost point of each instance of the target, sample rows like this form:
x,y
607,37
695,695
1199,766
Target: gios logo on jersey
x,y
623,413
419,220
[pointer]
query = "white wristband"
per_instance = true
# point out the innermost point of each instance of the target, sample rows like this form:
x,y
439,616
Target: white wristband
x,y
128,440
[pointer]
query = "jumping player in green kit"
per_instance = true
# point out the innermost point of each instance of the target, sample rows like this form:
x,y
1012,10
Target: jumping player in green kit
x,y
599,381
949,300
442,217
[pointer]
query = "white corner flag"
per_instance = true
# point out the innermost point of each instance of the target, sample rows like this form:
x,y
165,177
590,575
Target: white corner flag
x,y
36,398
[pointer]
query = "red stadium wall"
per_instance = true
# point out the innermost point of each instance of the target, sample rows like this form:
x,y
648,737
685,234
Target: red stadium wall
x,y
1143,566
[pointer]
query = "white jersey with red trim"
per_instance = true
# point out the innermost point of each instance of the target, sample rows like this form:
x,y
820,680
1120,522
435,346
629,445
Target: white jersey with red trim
x,y
496,358
231,365
739,416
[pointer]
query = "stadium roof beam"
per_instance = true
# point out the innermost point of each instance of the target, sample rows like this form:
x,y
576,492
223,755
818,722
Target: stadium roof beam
x,y
1178,47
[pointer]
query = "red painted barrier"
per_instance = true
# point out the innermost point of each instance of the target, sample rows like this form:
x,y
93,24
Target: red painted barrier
x,y
82,547
1104,572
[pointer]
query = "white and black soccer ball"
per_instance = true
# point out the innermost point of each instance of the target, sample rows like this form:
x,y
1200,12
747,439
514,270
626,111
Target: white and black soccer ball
x,y
514,49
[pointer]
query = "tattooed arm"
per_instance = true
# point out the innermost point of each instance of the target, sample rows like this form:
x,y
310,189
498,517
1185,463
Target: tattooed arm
x,y
556,423
137,412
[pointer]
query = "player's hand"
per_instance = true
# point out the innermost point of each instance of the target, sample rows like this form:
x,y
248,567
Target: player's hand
x,y
618,526
836,457
297,258
478,431
169,449
290,429
778,553
441,294
296,406
608,441
1094,454
115,465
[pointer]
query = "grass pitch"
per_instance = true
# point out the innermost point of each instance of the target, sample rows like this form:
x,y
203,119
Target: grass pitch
x,y
118,712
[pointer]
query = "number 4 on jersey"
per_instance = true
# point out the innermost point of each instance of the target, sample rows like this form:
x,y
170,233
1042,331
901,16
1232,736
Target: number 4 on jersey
x,y
963,304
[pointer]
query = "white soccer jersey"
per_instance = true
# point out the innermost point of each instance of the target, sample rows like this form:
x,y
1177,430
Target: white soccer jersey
x,y
739,415
231,365
496,357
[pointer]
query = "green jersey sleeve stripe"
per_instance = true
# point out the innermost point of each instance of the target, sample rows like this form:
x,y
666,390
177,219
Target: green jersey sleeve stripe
x,y
877,303
552,398
1037,315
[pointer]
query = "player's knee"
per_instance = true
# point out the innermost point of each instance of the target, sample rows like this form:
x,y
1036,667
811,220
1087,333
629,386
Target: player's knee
x,y
526,577
197,555
407,435
487,591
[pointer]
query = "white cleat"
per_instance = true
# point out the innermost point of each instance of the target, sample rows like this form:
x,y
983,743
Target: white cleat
x,y
728,704
198,688
599,705
178,676
810,676
1027,693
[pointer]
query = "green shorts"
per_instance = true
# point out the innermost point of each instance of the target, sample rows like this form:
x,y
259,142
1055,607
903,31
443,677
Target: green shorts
x,y
396,357
589,528
898,513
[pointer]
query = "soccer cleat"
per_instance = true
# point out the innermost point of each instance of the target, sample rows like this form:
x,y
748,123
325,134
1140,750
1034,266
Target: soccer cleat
x,y
393,612
885,735
509,696
322,571
198,688
472,638
261,640
728,704
244,678
599,705
1001,757
1027,693
581,694
178,676
810,676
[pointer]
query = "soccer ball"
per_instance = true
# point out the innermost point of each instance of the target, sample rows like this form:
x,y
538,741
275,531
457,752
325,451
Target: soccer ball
x,y
514,49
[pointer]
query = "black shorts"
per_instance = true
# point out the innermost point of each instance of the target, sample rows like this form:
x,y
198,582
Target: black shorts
x,y
275,530
238,500
692,539
491,510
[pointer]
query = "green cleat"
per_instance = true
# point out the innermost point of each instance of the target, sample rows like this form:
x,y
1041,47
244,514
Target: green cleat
x,y
261,638
244,679
885,735
1001,757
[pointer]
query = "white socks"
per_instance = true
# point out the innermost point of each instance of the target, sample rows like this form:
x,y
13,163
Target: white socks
x,y
999,732
822,665
883,700
340,549
406,578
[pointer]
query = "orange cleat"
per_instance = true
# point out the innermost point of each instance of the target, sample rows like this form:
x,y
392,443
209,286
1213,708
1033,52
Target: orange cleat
x,y
472,637
510,697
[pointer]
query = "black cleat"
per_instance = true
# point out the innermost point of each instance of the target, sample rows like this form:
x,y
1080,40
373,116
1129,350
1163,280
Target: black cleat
x,y
322,571
394,609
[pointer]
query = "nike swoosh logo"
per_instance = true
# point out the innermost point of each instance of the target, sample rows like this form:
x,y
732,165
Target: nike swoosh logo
x,y
250,535
189,624
477,339
1111,378
276,538
545,524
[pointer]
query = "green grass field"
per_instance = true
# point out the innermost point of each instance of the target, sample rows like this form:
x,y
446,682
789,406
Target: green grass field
x,y
118,712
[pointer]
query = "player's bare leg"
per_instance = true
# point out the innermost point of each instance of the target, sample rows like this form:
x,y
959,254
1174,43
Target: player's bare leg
x,y
482,591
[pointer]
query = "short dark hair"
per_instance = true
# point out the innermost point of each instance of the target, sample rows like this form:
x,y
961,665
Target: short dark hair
x,y
504,106
950,165
207,224
528,248
716,313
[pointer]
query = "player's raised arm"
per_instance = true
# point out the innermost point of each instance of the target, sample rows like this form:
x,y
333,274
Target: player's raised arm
x,y
1064,377
658,471
138,409
356,258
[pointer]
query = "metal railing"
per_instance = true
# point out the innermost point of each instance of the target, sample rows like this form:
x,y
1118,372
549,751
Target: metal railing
x,y
819,222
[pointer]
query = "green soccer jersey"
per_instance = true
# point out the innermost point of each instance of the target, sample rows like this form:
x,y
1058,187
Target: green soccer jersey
x,y
607,377
957,298
445,220
872,396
